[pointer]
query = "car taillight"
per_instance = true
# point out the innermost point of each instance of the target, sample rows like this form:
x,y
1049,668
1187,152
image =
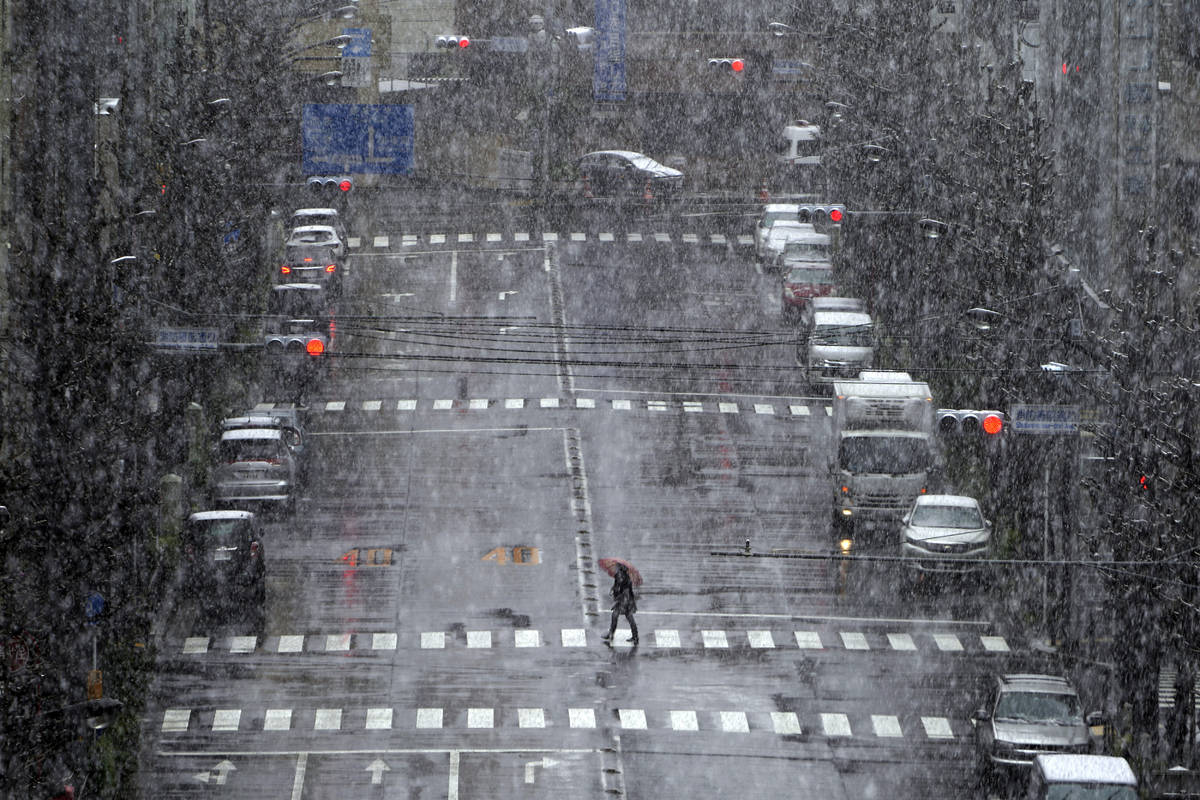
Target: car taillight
x,y
330,267
285,270
308,259
254,549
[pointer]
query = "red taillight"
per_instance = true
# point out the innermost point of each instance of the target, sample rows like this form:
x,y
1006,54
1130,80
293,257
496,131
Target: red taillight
x,y
254,549
315,347
330,267
285,269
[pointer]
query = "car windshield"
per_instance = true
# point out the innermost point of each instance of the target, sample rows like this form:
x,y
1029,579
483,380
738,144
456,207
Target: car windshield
x,y
647,163
1047,707
810,275
842,336
1090,791
234,450
313,237
308,254
805,251
884,454
937,516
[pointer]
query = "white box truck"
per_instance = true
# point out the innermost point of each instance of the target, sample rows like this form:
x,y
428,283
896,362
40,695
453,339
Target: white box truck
x,y
884,453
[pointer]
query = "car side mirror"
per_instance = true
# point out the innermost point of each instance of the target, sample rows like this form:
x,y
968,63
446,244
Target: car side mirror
x,y
980,715
1095,719
906,518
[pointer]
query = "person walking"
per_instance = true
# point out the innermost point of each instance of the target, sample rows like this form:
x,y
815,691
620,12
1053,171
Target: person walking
x,y
623,603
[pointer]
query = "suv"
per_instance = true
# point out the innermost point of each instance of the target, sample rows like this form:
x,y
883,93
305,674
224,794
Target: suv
x,y
223,558
256,466
1026,715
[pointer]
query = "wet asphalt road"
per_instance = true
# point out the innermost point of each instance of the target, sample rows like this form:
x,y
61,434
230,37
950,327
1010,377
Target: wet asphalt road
x,y
500,413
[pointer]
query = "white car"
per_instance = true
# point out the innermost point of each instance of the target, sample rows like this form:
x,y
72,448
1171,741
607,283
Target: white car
x,y
772,213
308,236
302,217
945,533
774,245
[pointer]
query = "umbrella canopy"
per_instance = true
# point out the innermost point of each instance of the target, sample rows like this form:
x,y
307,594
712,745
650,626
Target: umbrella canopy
x,y
609,565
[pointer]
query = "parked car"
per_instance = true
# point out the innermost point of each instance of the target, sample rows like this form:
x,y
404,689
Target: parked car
x,y
945,533
802,283
1026,715
836,345
223,557
256,466
320,216
627,176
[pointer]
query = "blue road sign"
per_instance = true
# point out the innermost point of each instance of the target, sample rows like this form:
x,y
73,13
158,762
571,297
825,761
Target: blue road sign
x,y
360,45
357,138
608,77
93,606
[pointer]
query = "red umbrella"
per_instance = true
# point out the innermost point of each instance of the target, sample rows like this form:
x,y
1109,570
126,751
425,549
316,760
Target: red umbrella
x,y
609,565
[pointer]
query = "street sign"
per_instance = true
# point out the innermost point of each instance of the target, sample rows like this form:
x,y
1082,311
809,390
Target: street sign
x,y
1044,419
608,76
187,339
790,68
509,44
359,45
357,138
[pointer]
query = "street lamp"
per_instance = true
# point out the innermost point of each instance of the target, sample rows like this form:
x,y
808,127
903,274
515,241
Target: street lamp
x,y
340,41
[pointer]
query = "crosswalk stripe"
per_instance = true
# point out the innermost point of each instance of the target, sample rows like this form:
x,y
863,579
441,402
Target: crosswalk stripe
x,y
479,404
383,641
937,727
885,725
901,641
337,642
195,644
531,718
479,639
278,719
852,640
466,237
995,644
666,638
379,719
582,717
734,722
406,405
335,405
835,724
809,640
175,720
291,643
380,242
433,640
684,721
495,237
429,718
585,402
521,236
622,405
764,408
443,404
714,638
786,722
243,644
728,408
947,642
481,718
372,405
760,639
633,237
437,238
227,719
514,402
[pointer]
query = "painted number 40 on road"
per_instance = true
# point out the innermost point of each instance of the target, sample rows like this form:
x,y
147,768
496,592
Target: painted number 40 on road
x,y
521,554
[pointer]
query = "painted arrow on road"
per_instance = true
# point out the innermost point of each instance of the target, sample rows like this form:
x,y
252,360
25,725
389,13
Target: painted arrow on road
x,y
377,768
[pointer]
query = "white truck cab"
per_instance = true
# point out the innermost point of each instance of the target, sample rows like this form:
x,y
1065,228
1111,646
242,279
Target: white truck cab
x,y
1081,777
836,345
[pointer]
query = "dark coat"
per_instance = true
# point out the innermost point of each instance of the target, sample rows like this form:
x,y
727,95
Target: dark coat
x,y
622,592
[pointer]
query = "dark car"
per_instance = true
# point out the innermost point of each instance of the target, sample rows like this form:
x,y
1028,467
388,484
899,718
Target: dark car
x,y
626,176
223,558
1026,715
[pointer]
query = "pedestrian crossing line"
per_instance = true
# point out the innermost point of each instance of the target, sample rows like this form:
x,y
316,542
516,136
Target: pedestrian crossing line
x,y
789,410
661,638
1166,688
828,724
383,241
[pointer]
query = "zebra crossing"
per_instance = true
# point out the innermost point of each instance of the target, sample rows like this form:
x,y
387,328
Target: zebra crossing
x,y
830,724
787,408
388,241
658,639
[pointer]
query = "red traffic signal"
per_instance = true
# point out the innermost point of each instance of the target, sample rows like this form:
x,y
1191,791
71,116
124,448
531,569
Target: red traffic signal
x,y
827,212
315,346
731,64
970,422
330,184
459,42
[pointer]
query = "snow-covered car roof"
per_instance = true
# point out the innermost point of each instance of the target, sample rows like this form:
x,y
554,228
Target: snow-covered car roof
x,y
639,160
956,500
205,516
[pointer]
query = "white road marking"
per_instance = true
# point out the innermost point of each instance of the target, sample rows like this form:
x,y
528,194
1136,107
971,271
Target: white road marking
x,y
633,237
443,404
298,781
690,238
606,237
852,640
714,638
786,722
901,641
195,644
372,405
383,641
452,791
764,408
886,725
433,640
691,406
937,727
760,639
227,719
531,718
578,237
527,638
521,236
622,405
406,405
328,719
948,642
514,402
437,238
479,403
734,722
800,411
656,405
480,718
666,638
662,237
632,719
582,717
176,720
243,644
835,724
380,242
466,237
428,718
718,238
549,402
809,640
379,719
479,639
278,719
994,644
549,236
585,402
574,637
408,240
745,238
495,237
684,721
337,642
291,643
353,241
335,405
727,408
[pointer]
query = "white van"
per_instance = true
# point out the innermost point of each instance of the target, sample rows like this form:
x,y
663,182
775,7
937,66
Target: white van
x,y
836,345
1081,777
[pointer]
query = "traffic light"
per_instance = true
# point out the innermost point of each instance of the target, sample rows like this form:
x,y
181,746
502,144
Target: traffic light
x,y
453,42
330,185
734,65
314,344
828,212
970,422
